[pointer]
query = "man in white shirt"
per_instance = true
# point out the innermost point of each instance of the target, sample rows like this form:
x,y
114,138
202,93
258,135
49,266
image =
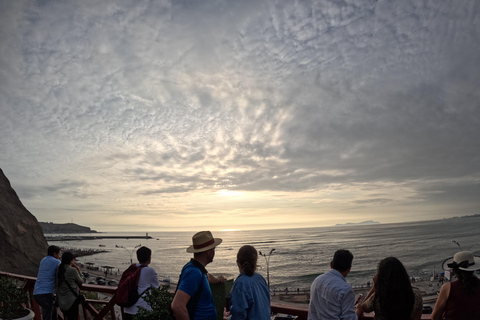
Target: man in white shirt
x,y
331,297
148,278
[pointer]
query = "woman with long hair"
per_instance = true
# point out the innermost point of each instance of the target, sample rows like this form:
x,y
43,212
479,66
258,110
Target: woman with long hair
x,y
68,283
250,296
460,299
392,296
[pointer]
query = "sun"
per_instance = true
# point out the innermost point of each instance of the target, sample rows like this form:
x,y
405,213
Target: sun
x,y
228,193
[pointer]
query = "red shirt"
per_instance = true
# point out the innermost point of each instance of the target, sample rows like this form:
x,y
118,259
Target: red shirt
x,y
462,306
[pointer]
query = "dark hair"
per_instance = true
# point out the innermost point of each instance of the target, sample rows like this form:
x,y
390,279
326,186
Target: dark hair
x,y
67,257
469,282
52,250
247,260
144,254
342,260
393,290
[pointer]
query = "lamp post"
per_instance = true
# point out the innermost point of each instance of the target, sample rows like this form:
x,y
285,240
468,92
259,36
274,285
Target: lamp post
x,y
458,244
131,252
473,245
468,249
267,260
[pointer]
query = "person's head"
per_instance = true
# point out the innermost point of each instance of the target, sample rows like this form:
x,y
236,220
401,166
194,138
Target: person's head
x,y
144,255
390,269
203,246
67,260
393,290
67,257
464,261
342,261
247,260
463,265
54,251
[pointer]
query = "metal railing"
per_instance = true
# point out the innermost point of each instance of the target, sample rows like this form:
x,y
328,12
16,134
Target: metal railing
x,y
108,306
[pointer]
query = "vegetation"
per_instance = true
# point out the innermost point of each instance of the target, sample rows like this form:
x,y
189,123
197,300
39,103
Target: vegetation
x,y
159,300
12,299
68,228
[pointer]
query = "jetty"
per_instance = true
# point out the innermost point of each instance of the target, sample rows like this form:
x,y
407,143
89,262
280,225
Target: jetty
x,y
96,237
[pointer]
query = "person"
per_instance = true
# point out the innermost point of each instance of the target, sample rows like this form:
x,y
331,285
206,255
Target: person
x,y
68,286
44,286
193,298
250,296
148,278
392,296
460,299
331,297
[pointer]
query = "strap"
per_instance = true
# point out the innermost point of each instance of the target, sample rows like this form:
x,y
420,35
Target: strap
x,y
196,297
140,267
71,289
141,294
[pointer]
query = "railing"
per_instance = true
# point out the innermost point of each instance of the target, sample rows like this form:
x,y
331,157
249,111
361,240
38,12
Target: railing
x,y
302,313
90,312
108,306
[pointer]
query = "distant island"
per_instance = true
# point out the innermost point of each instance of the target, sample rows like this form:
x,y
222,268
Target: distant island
x,y
50,227
357,223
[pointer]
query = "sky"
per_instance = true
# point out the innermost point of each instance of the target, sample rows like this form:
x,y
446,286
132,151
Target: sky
x,y
191,115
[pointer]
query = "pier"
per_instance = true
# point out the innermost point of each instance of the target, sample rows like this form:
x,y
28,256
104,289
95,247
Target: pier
x,y
97,237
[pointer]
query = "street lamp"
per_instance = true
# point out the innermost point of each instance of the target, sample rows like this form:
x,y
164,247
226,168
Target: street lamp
x,y
473,245
131,252
267,260
468,249
458,244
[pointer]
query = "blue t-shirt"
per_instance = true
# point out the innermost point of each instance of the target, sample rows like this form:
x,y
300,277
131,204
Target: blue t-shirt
x,y
46,275
250,298
192,275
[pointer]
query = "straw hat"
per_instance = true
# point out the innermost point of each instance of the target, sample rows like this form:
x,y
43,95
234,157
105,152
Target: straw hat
x,y
203,241
463,260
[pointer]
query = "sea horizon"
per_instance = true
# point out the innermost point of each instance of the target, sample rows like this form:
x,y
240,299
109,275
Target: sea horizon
x,y
348,224
301,256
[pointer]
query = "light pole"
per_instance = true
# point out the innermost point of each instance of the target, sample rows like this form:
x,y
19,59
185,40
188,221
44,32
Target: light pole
x,y
458,244
131,252
473,245
267,260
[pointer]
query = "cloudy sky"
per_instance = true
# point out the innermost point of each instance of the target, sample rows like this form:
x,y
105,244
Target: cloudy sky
x,y
187,115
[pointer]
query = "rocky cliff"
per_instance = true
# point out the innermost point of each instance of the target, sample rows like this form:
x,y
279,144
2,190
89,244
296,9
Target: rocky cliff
x,y
22,244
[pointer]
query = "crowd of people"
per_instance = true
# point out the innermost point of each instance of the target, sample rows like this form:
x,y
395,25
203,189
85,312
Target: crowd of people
x,y
391,296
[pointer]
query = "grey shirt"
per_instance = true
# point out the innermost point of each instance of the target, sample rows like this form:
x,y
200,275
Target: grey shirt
x,y
66,298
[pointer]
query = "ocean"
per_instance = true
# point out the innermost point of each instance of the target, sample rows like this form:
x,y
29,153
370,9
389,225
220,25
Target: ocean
x,y
300,255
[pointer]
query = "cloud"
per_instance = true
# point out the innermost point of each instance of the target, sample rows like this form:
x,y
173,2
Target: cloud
x,y
124,106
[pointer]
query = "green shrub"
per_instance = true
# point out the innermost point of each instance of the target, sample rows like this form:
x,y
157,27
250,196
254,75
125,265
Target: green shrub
x,y
12,298
159,300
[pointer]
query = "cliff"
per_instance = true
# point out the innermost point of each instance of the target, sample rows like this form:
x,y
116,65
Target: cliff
x,y
22,244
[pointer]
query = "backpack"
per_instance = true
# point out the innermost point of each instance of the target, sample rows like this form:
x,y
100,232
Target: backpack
x,y
127,290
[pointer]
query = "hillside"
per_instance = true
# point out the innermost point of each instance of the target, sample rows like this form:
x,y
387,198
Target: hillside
x,y
22,244
50,227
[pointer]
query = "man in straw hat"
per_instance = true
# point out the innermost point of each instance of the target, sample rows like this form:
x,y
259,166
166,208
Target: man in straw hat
x,y
460,299
193,298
